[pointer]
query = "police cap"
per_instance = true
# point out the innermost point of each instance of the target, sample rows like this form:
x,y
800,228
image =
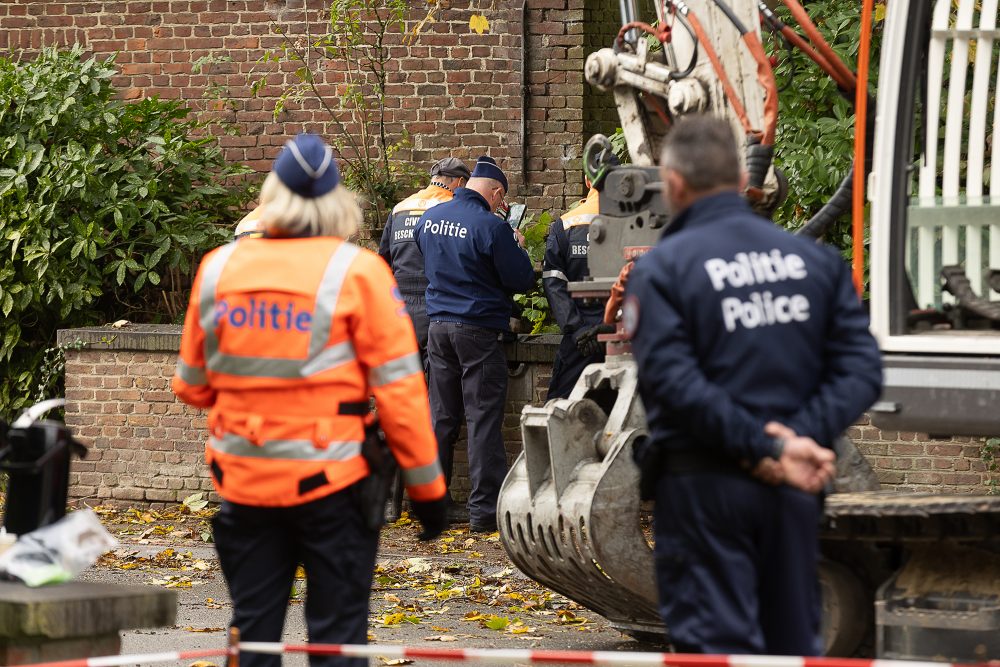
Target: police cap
x,y
306,165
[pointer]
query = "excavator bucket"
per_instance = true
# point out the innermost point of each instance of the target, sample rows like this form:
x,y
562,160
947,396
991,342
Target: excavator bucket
x,y
569,508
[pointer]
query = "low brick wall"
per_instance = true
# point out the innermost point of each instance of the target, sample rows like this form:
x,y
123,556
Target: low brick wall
x,y
146,446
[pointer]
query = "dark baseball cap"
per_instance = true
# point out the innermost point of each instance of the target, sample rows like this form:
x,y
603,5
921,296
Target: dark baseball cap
x,y
451,166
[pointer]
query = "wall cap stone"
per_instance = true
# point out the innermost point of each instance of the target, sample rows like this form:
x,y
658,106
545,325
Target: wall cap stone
x,y
81,609
138,337
167,338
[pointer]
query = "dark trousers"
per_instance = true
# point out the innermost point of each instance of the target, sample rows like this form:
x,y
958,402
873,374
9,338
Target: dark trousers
x,y
416,308
259,550
468,375
568,367
736,565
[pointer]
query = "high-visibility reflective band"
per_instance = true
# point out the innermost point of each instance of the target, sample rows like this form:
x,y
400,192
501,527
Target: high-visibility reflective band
x,y
558,275
331,357
206,300
577,220
285,369
327,295
191,374
299,450
422,475
397,369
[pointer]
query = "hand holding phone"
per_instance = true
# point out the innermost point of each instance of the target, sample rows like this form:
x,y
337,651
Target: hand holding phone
x,y
515,216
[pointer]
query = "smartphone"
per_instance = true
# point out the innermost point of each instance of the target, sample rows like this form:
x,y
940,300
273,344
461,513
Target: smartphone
x,y
515,216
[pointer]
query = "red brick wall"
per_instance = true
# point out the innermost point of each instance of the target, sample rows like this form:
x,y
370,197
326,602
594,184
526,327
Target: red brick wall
x,y
453,91
145,446
913,462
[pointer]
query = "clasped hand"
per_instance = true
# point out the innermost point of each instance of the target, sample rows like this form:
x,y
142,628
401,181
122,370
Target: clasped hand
x,y
804,464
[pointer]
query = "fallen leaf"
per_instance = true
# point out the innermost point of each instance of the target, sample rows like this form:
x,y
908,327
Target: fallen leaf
x,y
120,324
202,663
395,661
441,638
479,23
195,502
191,629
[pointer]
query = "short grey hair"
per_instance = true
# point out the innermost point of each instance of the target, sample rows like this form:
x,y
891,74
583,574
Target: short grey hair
x,y
285,213
702,149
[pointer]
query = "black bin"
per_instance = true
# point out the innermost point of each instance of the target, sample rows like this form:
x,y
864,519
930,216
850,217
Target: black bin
x,y
36,458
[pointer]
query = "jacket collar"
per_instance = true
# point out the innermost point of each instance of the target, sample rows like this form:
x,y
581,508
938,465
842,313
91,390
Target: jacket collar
x,y
709,209
473,197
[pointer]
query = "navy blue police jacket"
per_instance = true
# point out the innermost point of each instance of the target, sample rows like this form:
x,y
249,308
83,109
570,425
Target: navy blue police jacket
x,y
472,261
566,249
736,322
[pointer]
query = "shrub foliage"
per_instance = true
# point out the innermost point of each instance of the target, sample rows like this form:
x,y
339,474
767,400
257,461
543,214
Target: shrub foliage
x,y
104,206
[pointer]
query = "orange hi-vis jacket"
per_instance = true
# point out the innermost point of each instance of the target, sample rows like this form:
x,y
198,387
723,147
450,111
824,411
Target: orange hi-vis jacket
x,y
284,340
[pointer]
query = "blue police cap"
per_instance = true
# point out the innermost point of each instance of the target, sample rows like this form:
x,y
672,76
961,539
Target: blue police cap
x,y
306,165
486,167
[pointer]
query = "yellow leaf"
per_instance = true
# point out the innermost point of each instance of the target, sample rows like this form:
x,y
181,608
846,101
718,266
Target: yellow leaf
x,y
191,629
479,23
202,663
395,661
879,12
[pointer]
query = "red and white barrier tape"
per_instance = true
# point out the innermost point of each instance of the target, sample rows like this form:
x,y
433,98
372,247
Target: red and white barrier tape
x,y
144,658
528,656
506,656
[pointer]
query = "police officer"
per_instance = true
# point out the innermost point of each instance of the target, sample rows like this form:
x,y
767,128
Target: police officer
x,y
474,264
285,338
753,354
565,261
399,249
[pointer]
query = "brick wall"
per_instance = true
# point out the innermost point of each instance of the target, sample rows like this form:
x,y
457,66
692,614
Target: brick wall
x,y
914,462
602,19
452,90
145,446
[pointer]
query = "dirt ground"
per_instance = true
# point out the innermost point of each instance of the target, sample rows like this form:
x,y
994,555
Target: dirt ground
x,y
460,591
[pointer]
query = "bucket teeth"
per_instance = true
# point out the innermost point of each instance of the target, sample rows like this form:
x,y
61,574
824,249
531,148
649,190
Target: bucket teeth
x,y
569,509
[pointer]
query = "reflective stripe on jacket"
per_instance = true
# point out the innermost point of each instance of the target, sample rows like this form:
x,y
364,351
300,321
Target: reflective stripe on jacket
x,y
284,340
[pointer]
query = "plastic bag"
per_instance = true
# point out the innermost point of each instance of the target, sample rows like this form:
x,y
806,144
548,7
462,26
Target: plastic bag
x,y
58,552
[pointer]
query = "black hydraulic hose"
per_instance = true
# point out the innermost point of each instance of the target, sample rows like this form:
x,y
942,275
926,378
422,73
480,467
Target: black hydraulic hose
x,y
835,207
731,15
675,76
840,202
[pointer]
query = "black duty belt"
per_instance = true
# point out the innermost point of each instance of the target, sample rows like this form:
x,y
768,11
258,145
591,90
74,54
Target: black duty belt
x,y
681,461
353,409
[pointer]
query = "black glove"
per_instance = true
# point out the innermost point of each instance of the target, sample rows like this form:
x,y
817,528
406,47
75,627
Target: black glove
x,y
433,515
648,458
586,341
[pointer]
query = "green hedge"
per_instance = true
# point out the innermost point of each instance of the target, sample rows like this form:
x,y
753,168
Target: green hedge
x,y
104,206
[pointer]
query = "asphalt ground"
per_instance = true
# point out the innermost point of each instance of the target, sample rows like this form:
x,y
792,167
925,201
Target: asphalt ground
x,y
460,591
